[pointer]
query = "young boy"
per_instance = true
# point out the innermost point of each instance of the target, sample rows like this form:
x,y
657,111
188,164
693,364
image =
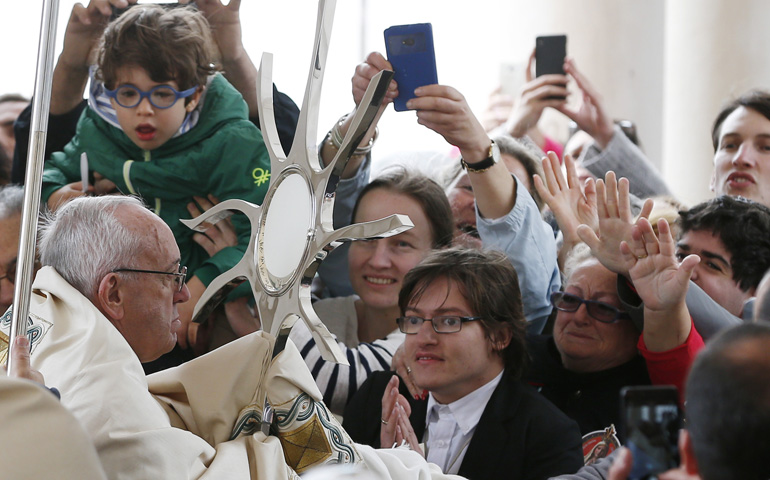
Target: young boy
x,y
163,125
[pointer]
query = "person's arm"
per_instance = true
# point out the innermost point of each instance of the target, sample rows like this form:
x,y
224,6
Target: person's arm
x,y
507,217
84,28
334,270
612,150
668,342
239,69
336,382
536,95
571,205
661,282
627,160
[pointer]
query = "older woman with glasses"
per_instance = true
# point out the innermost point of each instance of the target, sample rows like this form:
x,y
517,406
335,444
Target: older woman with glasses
x,y
592,352
465,343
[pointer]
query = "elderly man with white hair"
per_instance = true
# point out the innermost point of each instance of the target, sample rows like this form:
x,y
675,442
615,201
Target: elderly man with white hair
x,y
106,300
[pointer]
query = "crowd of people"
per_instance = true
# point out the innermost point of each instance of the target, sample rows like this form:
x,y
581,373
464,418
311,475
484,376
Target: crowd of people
x,y
540,279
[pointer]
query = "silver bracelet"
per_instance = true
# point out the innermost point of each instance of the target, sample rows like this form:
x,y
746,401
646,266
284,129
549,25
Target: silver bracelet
x,y
335,138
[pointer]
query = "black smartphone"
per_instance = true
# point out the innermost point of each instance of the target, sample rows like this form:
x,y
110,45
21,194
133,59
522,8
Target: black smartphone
x,y
410,51
549,54
650,429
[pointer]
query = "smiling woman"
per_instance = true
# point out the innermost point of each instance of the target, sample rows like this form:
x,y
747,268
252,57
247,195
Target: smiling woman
x,y
365,323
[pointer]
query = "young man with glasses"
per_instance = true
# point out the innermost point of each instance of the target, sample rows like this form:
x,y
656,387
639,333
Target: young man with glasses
x,y
465,344
164,125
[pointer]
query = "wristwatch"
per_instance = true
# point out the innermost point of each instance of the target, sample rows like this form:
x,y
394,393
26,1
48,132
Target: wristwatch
x,y
487,163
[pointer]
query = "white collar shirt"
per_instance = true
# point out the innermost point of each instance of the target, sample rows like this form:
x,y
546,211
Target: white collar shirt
x,y
449,428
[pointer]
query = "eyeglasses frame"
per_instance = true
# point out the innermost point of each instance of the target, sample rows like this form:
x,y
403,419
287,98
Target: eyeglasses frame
x,y
181,274
148,94
619,314
463,320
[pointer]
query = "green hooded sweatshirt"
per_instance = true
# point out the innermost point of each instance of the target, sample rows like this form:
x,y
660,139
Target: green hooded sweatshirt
x,y
223,155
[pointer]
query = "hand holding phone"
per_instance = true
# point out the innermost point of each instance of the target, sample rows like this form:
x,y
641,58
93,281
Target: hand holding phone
x,y
650,429
410,51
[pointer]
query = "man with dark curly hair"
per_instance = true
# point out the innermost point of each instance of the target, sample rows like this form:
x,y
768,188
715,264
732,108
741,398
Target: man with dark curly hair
x,y
732,237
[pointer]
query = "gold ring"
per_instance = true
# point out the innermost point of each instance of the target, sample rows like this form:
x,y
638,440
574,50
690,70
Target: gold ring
x,y
383,422
641,257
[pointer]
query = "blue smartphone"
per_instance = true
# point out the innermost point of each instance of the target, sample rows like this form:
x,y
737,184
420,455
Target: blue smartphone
x,y
410,51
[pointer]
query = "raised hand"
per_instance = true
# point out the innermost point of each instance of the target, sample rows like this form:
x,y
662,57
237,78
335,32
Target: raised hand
x,y
571,205
615,222
591,116
374,64
661,282
444,110
537,94
84,28
225,25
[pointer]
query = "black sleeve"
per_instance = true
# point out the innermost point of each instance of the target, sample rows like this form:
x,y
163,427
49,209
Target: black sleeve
x,y
61,129
363,412
286,118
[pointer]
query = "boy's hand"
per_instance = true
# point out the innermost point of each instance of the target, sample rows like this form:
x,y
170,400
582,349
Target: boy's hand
x,y
67,193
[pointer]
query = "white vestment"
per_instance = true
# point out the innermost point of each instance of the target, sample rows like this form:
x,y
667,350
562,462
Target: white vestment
x,y
199,420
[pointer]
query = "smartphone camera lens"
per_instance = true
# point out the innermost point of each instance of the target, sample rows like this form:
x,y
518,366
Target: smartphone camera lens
x,y
409,41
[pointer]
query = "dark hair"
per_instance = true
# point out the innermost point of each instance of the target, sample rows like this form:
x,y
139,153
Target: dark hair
x,y
169,44
743,226
489,283
427,193
13,97
509,146
757,100
728,405
762,303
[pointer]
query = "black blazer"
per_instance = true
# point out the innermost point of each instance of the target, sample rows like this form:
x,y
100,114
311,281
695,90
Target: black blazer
x,y
520,435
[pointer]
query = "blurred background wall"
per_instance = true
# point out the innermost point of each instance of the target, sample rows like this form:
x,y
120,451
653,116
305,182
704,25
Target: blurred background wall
x,y
667,65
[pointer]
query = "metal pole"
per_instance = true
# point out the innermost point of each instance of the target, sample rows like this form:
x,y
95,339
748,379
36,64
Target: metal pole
x,y
34,175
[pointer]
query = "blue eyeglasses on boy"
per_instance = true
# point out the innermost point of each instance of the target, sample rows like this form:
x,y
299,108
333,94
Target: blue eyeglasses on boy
x,y
162,96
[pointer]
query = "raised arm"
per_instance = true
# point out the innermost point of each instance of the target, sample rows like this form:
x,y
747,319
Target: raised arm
x,y
507,217
661,282
81,37
669,341
571,205
612,150
240,70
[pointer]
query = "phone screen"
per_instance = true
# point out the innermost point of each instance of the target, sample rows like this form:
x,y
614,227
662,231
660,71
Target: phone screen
x,y
652,420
